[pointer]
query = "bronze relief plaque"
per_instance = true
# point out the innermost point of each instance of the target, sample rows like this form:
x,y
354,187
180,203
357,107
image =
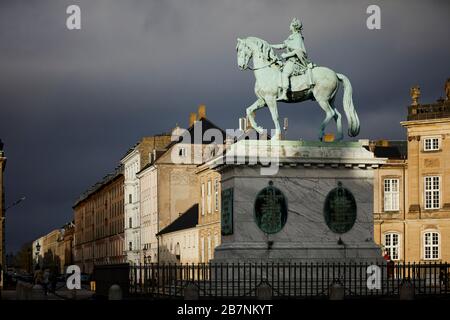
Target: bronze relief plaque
x,y
270,209
340,209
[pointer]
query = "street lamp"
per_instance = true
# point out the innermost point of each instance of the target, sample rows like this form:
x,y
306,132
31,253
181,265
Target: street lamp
x,y
12,205
15,203
38,249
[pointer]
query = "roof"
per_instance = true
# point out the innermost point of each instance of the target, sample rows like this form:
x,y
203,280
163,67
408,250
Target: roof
x,y
205,126
97,186
395,149
130,150
159,153
187,220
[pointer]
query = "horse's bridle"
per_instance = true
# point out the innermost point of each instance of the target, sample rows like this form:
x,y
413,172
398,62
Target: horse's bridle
x,y
267,65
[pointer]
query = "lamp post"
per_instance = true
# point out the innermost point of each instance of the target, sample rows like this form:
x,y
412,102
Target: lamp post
x,y
145,255
38,249
15,203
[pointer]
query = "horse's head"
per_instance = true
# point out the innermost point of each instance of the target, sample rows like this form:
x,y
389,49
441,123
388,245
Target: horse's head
x,y
250,46
244,53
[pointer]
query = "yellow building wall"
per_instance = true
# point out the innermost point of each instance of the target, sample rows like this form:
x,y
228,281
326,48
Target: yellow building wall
x,y
413,219
209,221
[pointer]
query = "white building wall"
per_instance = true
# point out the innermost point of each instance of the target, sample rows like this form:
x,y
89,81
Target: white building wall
x,y
131,188
187,242
149,213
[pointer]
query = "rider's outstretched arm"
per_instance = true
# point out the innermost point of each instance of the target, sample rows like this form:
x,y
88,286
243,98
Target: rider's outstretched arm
x,y
278,46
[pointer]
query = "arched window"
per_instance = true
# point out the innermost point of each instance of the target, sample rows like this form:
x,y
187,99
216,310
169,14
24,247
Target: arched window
x,y
177,252
392,245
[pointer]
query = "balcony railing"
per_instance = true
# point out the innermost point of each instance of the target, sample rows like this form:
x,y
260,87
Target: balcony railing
x,y
437,110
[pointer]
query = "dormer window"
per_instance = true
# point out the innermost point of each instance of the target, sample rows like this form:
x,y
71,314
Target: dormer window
x,y
182,151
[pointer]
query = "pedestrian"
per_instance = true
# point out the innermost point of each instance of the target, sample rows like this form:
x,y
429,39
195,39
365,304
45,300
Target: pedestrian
x,y
46,280
53,279
38,276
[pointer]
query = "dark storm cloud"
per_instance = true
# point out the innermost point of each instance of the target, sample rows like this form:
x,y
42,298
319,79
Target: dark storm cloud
x,y
72,102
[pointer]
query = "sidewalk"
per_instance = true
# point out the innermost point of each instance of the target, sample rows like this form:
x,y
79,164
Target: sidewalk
x,y
60,295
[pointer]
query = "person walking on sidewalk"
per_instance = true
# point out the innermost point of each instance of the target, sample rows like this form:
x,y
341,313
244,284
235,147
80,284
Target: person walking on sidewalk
x,y
46,281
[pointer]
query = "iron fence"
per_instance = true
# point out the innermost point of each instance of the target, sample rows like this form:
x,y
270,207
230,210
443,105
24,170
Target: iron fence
x,y
289,280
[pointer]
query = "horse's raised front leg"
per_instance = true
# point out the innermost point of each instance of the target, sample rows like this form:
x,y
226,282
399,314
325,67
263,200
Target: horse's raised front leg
x,y
272,104
329,113
251,116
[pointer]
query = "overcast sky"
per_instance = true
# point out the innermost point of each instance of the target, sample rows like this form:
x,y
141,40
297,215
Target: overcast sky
x,y
72,102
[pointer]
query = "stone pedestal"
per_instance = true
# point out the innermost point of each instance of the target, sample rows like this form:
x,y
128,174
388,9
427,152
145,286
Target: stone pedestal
x,y
305,173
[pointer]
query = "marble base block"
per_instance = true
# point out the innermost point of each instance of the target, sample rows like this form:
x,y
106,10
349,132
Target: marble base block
x,y
306,173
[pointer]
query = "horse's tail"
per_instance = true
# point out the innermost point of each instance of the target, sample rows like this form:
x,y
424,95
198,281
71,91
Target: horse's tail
x,y
350,112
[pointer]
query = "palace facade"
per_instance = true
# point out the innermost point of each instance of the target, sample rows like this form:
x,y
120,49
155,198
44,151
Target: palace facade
x,y
412,190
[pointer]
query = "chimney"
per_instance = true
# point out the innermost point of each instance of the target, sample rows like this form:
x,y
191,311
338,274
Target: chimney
x,y
247,120
201,112
243,124
192,118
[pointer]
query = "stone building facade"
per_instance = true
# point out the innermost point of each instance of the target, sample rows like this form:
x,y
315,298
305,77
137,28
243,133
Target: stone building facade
x,y
133,161
209,210
178,242
171,180
99,223
55,249
412,195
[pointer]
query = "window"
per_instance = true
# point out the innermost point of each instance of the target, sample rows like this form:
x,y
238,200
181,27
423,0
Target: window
x,y
209,196
392,245
182,152
203,199
391,195
130,223
216,194
432,192
431,144
130,198
130,246
431,245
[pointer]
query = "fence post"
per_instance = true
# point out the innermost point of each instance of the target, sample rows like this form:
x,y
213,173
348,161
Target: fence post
x,y
191,292
337,291
264,291
115,292
407,290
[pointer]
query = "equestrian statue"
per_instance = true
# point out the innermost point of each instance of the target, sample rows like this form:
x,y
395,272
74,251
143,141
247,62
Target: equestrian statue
x,y
295,80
